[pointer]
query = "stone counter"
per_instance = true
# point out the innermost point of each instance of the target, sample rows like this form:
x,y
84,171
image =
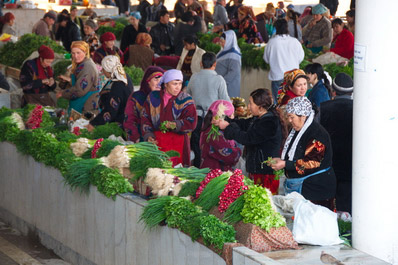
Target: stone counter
x,y
92,229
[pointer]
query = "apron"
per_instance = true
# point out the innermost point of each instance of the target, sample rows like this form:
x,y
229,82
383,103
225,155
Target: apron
x,y
171,141
78,103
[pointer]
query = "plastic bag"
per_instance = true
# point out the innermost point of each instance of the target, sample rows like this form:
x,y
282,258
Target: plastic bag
x,y
329,57
315,225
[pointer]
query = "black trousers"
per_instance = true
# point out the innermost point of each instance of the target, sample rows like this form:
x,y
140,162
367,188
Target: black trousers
x,y
195,138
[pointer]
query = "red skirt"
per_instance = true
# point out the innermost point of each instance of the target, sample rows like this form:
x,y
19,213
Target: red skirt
x,y
267,181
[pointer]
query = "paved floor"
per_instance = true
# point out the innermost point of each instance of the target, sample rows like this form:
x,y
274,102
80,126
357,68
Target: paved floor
x,y
25,250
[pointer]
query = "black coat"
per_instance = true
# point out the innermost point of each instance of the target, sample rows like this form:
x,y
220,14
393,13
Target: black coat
x,y
321,186
142,9
69,34
130,34
262,138
182,30
113,102
336,117
162,34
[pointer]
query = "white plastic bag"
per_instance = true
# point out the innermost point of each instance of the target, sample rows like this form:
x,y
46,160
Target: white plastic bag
x,y
330,57
315,225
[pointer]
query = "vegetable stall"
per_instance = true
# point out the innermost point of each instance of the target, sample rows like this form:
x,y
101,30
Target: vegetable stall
x,y
213,207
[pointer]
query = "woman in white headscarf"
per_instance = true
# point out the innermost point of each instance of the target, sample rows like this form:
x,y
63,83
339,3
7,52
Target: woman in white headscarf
x,y
114,95
229,62
307,156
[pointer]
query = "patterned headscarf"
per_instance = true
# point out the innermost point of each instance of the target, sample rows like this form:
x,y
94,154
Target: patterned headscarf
x,y
111,64
143,39
150,72
291,76
82,45
299,106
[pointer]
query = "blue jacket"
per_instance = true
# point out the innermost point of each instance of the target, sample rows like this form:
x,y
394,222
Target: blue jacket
x,y
319,94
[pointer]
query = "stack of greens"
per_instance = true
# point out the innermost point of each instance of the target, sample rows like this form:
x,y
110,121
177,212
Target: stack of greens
x,y
13,54
184,215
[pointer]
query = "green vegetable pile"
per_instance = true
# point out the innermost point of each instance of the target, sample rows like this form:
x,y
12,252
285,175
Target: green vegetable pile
x,y
13,54
183,214
258,210
61,66
136,74
210,195
117,29
206,42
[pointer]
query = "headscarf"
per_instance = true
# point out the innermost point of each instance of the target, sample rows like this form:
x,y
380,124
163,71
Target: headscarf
x,y
136,14
231,49
8,17
303,107
307,11
112,65
319,9
82,45
246,11
171,75
222,107
143,39
289,78
46,52
107,36
150,72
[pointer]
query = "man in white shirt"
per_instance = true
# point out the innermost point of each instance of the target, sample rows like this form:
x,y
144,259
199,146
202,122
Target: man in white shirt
x,y
282,53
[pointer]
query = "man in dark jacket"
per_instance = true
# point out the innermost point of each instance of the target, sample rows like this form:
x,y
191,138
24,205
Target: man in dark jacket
x,y
142,9
67,32
163,35
190,25
336,118
331,4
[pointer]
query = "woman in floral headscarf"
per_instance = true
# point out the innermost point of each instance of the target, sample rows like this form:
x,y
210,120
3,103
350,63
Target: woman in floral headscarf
x,y
245,25
107,48
307,156
114,95
83,94
135,103
294,85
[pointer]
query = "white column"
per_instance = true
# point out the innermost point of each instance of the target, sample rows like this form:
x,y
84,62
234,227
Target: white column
x,y
375,144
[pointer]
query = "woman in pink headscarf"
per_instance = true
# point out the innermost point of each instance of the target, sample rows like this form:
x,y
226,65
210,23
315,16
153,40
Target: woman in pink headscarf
x,y
218,152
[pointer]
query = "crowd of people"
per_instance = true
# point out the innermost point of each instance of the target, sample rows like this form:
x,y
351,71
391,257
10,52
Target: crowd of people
x,y
296,122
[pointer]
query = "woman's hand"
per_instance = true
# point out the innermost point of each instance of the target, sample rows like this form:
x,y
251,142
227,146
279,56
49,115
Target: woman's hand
x,y
90,127
64,78
222,124
58,95
278,163
171,125
152,140
309,45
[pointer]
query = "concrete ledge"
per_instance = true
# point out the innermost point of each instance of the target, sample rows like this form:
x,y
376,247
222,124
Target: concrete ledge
x,y
87,229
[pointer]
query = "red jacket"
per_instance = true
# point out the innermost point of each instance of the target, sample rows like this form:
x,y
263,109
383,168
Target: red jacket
x,y
344,44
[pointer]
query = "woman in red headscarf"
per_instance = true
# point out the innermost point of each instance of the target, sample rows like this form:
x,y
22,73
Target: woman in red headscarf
x,y
6,23
107,48
37,78
245,26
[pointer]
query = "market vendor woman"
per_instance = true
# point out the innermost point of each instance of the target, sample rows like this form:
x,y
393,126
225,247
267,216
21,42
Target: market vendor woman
x,y
83,94
37,78
307,156
174,107
114,95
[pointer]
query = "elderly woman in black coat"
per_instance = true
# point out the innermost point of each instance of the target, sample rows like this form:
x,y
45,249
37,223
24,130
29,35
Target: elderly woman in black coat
x,y
307,156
